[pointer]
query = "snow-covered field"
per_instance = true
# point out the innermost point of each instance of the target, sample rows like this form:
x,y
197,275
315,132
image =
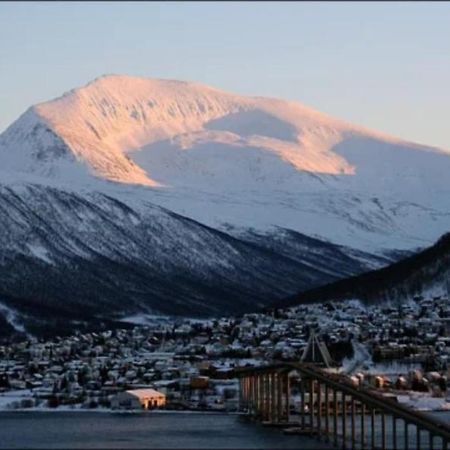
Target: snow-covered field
x,y
424,402
11,399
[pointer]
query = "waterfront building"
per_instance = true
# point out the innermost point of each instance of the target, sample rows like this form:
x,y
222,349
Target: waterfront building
x,y
138,399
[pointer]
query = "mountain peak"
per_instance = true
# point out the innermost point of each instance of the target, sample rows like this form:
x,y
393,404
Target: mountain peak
x,y
103,121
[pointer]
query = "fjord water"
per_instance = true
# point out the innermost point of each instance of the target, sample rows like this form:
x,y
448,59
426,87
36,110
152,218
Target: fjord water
x,y
64,429
149,430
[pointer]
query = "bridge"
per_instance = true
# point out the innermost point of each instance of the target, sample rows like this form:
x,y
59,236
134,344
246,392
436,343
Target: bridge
x,y
333,409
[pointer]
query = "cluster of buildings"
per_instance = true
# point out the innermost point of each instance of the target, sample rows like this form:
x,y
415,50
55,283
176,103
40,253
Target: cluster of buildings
x,y
189,364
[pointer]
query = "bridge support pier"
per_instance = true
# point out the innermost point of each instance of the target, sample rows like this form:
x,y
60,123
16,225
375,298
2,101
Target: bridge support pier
x,y
319,408
302,402
311,404
287,396
273,399
394,433
353,418
264,397
280,397
406,436
344,420
266,390
253,399
335,416
327,414
363,426
372,427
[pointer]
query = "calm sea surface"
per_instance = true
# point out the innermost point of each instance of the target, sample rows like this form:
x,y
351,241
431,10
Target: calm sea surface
x,y
168,430
115,430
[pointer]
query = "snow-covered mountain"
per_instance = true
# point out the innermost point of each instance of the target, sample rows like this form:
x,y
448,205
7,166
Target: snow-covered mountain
x,y
328,198
235,162
97,126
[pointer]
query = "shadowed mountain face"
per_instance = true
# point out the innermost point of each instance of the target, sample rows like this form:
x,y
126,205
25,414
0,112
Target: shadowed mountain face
x,y
424,273
258,123
134,195
91,258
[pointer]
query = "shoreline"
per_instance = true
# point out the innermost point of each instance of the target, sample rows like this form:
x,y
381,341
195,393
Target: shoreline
x,y
156,412
112,411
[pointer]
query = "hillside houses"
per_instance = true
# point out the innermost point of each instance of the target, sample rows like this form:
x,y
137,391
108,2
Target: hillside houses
x,y
191,362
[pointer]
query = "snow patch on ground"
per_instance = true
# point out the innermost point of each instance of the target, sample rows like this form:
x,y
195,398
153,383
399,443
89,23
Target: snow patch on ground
x,y
40,252
11,398
423,402
145,319
13,318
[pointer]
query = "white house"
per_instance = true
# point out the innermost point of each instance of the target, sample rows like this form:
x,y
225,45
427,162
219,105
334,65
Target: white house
x,y
138,399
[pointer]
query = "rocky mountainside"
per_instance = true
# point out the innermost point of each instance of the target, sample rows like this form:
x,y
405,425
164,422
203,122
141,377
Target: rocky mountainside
x,y
92,257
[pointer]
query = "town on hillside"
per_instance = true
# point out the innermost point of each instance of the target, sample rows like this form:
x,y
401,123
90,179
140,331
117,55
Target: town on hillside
x,y
190,364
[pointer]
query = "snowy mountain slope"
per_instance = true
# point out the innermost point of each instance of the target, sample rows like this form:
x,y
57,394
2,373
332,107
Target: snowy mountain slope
x,y
233,161
90,255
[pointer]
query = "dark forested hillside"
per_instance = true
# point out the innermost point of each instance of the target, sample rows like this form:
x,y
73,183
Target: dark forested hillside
x,y
425,271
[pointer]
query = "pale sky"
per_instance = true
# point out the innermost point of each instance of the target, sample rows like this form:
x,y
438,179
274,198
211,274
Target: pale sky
x,y
383,65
